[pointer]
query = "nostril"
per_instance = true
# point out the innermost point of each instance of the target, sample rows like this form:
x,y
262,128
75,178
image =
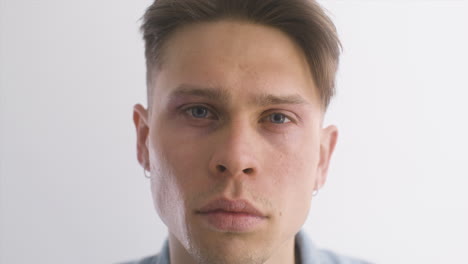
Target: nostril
x,y
221,168
248,171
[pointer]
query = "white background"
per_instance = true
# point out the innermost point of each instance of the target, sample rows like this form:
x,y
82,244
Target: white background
x,y
71,190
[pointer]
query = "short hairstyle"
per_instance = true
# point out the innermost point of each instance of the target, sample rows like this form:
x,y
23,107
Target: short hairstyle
x,y
304,21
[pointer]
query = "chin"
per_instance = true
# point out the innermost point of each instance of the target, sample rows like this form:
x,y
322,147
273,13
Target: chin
x,y
226,256
231,248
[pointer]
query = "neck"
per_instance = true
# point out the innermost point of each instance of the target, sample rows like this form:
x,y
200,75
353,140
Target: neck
x,y
284,254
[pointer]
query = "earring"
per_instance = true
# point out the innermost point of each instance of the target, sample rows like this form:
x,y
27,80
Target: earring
x,y
146,173
315,192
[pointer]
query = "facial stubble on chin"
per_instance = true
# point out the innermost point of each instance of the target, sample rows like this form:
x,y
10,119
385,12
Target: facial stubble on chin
x,y
208,256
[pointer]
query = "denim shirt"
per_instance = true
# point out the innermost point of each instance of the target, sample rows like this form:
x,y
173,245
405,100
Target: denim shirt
x,y
305,250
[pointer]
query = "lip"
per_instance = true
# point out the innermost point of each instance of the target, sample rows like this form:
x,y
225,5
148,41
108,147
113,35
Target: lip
x,y
231,215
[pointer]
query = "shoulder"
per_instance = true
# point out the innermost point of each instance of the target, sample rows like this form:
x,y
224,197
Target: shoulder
x,y
310,254
161,258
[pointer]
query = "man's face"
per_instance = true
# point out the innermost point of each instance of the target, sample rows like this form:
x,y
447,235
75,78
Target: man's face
x,y
234,142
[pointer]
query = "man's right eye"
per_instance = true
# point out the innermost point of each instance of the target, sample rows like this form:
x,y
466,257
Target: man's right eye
x,y
199,112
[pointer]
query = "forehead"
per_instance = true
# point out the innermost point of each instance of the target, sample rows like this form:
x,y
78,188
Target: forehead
x,y
241,57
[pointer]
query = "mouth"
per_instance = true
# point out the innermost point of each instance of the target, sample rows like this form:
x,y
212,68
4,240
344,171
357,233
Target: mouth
x,y
231,216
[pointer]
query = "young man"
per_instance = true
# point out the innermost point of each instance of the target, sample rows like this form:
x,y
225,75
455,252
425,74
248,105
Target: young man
x,y
232,139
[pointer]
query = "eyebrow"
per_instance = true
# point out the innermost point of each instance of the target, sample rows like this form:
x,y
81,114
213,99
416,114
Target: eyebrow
x,y
223,96
269,99
208,93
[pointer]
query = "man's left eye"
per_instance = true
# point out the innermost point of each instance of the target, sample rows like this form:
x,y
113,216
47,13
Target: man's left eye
x,y
278,118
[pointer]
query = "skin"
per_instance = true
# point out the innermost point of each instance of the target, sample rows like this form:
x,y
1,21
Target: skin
x,y
235,114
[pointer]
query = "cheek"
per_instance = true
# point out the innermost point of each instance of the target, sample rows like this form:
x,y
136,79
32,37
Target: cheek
x,y
294,175
167,189
176,163
292,166
293,159
172,186
295,186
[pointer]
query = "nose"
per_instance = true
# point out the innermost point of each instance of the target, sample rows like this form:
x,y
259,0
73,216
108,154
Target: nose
x,y
235,152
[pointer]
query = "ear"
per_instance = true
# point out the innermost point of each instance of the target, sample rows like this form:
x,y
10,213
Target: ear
x,y
140,119
328,139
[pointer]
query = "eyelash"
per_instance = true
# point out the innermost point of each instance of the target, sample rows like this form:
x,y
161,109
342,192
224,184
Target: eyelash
x,y
188,110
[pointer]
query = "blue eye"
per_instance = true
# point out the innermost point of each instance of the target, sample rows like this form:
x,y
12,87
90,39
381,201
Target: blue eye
x,y
198,111
278,118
